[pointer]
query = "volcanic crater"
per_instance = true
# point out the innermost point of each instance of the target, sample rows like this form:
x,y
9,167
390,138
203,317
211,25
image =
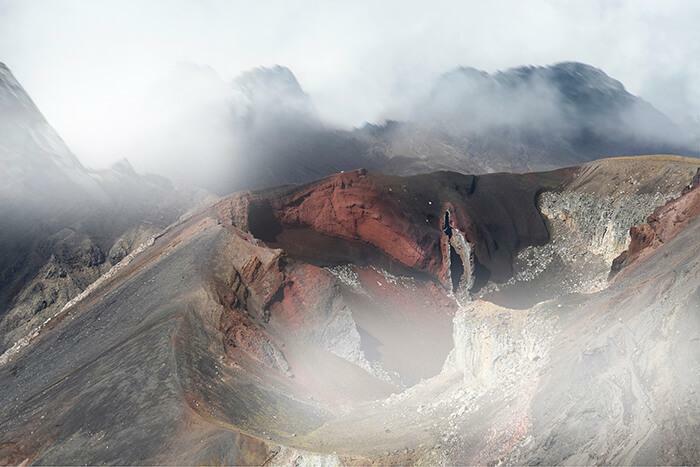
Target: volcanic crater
x,y
367,318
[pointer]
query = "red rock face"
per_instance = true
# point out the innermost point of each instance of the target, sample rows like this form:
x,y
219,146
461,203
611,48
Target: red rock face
x,y
402,217
242,334
308,291
255,272
665,223
354,206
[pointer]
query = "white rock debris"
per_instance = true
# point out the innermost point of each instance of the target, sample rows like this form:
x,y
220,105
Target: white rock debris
x,y
347,275
287,456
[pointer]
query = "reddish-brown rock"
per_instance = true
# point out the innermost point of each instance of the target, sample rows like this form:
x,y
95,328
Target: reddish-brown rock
x,y
665,223
401,217
355,206
307,292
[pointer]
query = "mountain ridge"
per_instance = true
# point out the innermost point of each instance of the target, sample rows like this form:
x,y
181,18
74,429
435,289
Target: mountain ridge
x,y
63,224
521,119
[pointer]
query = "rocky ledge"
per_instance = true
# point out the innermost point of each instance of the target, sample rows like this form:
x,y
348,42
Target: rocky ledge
x,y
664,224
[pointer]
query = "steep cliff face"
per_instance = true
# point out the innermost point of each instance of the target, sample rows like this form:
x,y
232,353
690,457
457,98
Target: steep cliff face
x,y
34,159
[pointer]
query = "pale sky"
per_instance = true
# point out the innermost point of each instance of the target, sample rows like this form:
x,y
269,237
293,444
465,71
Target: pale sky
x,y
92,66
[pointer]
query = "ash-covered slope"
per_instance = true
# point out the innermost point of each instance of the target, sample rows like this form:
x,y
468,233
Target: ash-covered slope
x,y
323,323
619,383
63,225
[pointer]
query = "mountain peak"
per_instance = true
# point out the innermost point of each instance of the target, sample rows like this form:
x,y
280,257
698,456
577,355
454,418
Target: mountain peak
x,y
123,166
276,76
11,92
276,83
571,98
272,93
583,73
31,150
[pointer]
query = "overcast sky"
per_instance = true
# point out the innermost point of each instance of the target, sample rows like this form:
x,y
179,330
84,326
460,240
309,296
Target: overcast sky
x,y
91,65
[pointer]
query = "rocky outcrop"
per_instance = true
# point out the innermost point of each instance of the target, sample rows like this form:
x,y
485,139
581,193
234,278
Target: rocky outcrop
x,y
589,219
242,334
253,275
130,240
74,262
694,183
459,265
597,224
664,224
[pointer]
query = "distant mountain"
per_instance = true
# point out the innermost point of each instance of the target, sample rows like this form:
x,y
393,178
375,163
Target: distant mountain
x,y
262,129
527,118
63,226
272,95
279,137
35,161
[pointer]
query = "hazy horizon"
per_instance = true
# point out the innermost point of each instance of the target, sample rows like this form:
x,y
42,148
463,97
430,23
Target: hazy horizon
x,y
97,70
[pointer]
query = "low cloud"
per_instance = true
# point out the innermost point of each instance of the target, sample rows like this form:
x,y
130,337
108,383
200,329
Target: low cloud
x,y
94,67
